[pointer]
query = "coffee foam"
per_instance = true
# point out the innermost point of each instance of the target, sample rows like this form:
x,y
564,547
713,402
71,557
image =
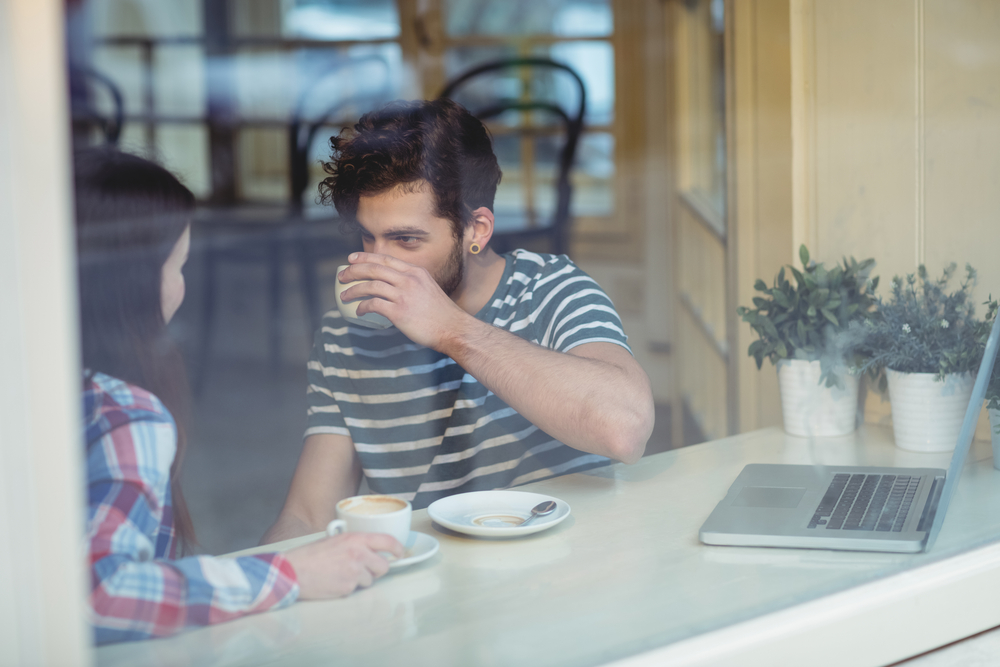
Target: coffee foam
x,y
374,505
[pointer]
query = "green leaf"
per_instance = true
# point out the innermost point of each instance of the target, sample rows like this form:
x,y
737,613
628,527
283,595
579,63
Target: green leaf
x,y
804,255
822,277
760,285
819,297
781,298
760,302
782,350
769,327
830,316
798,275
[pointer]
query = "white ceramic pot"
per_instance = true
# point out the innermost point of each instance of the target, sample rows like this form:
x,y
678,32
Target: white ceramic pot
x,y
927,414
995,436
813,409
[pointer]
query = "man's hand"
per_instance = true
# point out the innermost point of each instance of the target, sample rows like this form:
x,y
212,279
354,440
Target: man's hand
x,y
336,566
406,294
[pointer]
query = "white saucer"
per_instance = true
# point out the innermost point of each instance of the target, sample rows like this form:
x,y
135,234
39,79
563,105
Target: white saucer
x,y
419,547
495,513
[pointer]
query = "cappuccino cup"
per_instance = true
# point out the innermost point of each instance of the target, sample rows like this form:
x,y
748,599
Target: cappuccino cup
x,y
350,309
372,514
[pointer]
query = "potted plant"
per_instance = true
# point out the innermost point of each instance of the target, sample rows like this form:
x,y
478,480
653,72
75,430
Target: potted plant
x,y
925,341
802,329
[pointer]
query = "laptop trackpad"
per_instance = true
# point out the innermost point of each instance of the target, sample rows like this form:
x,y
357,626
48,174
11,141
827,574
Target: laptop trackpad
x,y
769,496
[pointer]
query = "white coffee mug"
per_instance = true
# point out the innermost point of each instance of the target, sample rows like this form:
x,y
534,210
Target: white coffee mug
x,y
350,309
372,514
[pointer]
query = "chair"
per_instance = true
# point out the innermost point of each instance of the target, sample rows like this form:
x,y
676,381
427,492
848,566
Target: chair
x,y
556,233
271,237
85,116
311,247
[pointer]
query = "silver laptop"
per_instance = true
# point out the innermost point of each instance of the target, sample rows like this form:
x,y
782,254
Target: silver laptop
x,y
858,508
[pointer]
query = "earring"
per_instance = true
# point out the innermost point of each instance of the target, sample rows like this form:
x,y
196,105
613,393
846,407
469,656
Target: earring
x,y
475,248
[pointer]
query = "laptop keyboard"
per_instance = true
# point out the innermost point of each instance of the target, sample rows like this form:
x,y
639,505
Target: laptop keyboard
x,y
866,502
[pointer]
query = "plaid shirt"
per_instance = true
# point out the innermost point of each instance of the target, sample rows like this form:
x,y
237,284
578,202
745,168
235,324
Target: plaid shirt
x,y
138,589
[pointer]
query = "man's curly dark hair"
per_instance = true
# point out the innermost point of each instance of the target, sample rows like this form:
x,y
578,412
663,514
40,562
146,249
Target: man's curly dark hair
x,y
406,142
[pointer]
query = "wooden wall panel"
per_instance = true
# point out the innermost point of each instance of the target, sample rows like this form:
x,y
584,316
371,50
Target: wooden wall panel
x,y
760,180
907,132
866,131
701,378
701,275
961,110
897,136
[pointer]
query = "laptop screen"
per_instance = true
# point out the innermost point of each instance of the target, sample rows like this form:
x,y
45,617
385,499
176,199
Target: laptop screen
x,y
968,430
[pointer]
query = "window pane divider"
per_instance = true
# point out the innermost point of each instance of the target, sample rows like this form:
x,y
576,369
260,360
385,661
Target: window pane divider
x,y
520,40
706,213
243,42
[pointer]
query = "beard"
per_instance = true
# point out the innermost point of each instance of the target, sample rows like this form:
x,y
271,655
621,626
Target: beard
x,y
451,276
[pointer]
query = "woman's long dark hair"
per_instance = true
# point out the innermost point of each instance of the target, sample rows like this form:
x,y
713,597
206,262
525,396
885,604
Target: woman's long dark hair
x,y
130,213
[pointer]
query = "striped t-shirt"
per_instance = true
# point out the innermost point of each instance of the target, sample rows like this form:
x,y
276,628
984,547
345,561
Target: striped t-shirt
x,y
423,427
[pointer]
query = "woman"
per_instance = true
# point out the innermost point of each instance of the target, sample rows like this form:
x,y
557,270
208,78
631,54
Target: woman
x,y
133,231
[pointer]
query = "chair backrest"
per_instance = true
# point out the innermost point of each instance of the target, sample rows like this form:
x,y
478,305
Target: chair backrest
x,y
84,112
558,229
302,131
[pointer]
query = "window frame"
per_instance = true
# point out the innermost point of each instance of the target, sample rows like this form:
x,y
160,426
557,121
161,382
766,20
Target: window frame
x,y
42,567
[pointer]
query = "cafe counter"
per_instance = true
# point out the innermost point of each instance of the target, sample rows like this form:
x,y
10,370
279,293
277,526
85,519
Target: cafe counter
x,y
624,580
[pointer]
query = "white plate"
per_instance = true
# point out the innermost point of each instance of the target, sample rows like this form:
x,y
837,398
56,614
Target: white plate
x,y
419,547
495,513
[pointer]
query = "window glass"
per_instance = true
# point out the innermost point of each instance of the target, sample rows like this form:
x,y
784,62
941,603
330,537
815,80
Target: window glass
x,y
215,105
179,80
510,205
264,81
592,61
703,94
564,18
183,148
151,18
341,19
349,80
593,177
595,63
122,65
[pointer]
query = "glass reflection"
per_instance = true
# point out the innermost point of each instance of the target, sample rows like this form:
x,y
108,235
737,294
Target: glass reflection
x,y
341,19
564,18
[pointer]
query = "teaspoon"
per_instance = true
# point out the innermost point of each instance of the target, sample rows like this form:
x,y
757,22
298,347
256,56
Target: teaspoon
x,y
541,509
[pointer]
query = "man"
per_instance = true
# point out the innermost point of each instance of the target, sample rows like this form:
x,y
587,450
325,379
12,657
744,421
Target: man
x,y
499,370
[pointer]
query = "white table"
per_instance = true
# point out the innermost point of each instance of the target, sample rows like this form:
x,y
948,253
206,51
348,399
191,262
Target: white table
x,y
624,578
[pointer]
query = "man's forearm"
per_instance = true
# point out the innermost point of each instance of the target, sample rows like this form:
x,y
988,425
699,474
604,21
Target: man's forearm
x,y
328,471
590,404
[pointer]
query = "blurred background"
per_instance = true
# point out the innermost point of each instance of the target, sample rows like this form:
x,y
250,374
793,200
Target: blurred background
x,y
240,99
677,150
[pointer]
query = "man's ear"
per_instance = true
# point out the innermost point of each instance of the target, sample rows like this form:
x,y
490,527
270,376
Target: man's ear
x,y
481,229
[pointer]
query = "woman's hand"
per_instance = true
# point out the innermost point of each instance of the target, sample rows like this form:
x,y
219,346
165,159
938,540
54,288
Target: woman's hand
x,y
335,566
